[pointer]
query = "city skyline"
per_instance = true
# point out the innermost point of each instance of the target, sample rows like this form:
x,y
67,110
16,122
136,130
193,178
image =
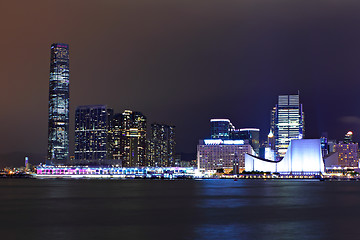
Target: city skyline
x,y
180,119
179,72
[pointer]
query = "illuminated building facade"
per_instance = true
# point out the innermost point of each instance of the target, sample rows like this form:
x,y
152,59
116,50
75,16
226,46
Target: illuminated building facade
x,y
302,158
133,139
288,124
58,122
116,132
348,154
220,128
213,154
93,134
101,172
162,145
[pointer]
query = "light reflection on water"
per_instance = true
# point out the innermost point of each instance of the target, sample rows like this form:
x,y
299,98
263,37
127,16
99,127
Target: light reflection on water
x,y
185,209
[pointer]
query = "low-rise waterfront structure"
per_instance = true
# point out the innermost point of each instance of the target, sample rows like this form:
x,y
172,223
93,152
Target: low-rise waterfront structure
x,y
47,171
303,157
227,155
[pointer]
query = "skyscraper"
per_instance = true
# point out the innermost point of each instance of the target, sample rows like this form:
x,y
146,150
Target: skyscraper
x,y
289,122
220,128
58,128
116,131
92,135
132,148
162,145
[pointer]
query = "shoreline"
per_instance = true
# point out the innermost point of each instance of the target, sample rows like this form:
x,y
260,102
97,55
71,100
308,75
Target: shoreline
x,y
159,177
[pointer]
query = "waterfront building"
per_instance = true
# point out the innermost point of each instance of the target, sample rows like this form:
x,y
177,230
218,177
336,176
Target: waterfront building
x,y
93,135
302,158
265,151
47,171
288,122
162,145
116,130
133,139
347,154
221,128
58,121
227,155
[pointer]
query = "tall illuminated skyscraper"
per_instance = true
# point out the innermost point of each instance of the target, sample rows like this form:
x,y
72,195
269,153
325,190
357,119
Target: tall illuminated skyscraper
x,y
131,132
58,128
162,145
116,131
289,122
93,134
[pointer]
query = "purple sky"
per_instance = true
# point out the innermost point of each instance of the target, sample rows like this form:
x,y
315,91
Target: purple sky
x,y
182,62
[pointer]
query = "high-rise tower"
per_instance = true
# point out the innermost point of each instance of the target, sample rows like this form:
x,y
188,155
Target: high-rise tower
x,y
129,138
162,145
220,128
93,135
289,122
58,128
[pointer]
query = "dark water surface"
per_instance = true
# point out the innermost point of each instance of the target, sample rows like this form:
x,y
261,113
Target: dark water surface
x,y
184,209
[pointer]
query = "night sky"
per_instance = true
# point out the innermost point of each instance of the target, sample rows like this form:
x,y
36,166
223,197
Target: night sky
x,y
182,62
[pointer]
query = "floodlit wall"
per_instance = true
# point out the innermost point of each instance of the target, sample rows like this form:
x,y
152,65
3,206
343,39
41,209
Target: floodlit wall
x,y
302,156
255,164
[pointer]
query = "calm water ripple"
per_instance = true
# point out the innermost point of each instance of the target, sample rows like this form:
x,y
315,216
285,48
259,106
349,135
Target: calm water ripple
x,y
184,209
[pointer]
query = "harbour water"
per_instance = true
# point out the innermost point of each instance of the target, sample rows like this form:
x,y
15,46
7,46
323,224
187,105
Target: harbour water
x,y
178,209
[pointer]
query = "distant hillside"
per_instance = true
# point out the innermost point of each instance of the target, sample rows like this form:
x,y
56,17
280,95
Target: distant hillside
x,y
17,159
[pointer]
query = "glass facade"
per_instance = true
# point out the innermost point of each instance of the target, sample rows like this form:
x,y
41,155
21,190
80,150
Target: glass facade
x,y
92,134
289,122
162,145
58,128
129,138
220,128
116,137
